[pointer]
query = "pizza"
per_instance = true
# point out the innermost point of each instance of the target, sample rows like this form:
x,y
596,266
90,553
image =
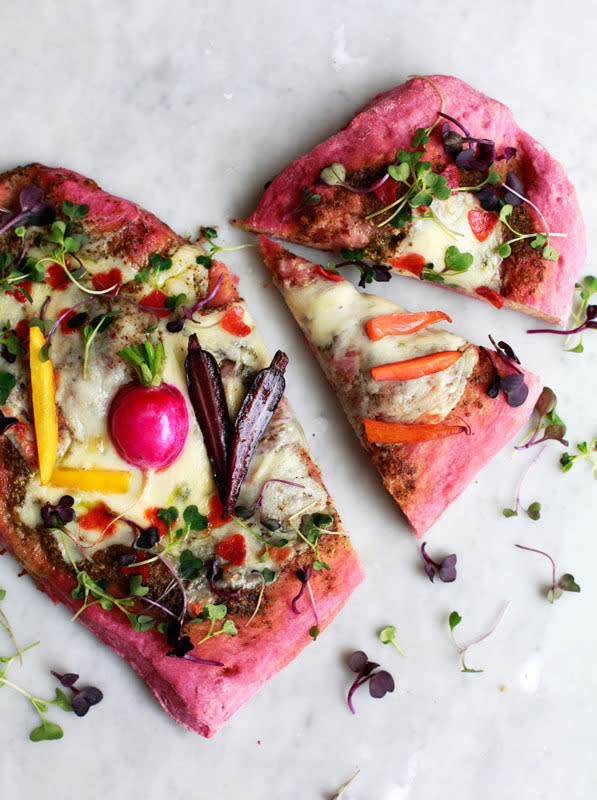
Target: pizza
x,y
152,476
429,407
437,181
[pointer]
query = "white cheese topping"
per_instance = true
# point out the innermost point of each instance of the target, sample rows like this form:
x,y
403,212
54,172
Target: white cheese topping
x,y
333,315
427,238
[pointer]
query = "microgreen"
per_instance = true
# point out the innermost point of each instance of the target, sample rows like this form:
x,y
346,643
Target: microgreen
x,y
446,569
210,234
380,681
150,274
304,576
265,555
147,360
312,526
168,515
6,422
387,634
540,240
335,175
215,613
534,509
586,289
369,272
34,210
7,384
56,516
82,700
10,345
548,422
455,619
98,324
214,573
513,385
95,592
586,450
455,262
190,566
565,584
340,790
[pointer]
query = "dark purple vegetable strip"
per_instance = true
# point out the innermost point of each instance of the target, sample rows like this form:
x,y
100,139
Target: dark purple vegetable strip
x,y
206,391
255,413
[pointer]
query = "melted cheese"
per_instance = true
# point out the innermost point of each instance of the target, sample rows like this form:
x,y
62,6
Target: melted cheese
x,y
334,314
430,240
83,404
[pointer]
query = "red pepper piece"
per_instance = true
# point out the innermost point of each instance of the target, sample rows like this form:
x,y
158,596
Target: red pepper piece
x,y
155,300
325,273
412,262
106,280
214,516
98,518
450,173
482,222
494,297
233,322
19,296
56,277
233,549
387,191
65,320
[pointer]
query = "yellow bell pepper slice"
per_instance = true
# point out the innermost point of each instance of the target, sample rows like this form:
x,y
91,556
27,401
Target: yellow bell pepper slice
x,y
44,405
105,481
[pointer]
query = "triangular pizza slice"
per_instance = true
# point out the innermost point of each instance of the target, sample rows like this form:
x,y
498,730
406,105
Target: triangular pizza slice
x,y
436,181
430,407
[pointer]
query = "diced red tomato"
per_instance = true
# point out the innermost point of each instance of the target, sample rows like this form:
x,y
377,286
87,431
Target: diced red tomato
x,y
98,518
233,549
482,223
280,554
330,276
22,330
155,300
494,297
412,262
386,193
105,280
151,515
64,322
214,517
233,322
19,296
56,277
450,173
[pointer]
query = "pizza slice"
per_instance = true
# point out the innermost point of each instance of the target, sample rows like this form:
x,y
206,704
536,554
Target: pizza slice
x,y
152,477
438,182
429,407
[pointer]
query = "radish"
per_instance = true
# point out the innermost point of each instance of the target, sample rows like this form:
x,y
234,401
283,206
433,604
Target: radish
x,y
148,423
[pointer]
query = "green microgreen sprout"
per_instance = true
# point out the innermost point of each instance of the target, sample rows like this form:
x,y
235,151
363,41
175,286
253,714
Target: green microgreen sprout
x,y
534,509
151,273
586,450
557,588
455,263
210,234
586,289
340,790
7,384
387,634
540,239
193,521
455,619
98,324
47,730
213,613
147,360
548,421
312,526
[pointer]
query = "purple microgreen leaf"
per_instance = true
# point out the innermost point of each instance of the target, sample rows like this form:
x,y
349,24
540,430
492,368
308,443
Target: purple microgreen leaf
x,y
380,684
67,680
515,389
505,348
148,537
6,422
488,197
56,516
516,197
430,571
447,570
357,660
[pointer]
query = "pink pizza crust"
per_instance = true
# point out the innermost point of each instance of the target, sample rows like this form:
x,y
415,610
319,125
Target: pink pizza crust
x,y
387,124
201,698
424,477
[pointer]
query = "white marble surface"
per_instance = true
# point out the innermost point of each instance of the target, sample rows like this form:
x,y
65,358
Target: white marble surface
x,y
188,108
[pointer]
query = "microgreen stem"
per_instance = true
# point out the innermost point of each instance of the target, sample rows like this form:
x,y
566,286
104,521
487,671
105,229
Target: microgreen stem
x,y
542,553
88,342
430,214
525,473
66,313
255,534
56,258
532,205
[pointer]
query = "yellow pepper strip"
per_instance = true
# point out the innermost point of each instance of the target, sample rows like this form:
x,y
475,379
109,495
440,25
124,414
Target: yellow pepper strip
x,y
44,405
105,481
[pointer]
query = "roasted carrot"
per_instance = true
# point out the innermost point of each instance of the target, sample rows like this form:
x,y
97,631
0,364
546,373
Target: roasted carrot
x,y
415,367
400,324
379,432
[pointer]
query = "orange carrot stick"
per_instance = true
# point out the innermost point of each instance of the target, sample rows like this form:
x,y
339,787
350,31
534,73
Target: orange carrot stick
x,y
415,367
379,432
400,324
